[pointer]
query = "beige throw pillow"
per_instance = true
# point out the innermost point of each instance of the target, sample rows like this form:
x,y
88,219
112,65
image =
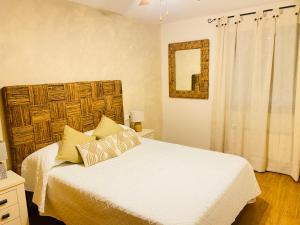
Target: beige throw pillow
x,y
127,139
68,151
97,151
109,147
106,127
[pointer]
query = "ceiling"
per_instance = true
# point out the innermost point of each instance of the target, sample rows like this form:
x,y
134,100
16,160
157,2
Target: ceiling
x,y
178,9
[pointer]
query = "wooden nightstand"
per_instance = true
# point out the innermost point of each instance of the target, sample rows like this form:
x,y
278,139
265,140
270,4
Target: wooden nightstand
x,y
146,133
13,209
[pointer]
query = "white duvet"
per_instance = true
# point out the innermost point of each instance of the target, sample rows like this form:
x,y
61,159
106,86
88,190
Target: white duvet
x,y
155,182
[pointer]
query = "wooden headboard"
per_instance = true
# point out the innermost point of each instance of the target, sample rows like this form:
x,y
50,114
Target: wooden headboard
x,y
36,114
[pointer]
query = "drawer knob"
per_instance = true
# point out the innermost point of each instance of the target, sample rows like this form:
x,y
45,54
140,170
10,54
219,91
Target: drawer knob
x,y
4,201
5,216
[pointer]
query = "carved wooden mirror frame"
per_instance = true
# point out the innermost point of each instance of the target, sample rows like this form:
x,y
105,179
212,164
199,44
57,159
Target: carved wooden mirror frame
x,y
201,87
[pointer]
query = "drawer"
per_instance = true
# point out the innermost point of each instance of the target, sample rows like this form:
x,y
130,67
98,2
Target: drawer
x,y
13,222
9,214
8,199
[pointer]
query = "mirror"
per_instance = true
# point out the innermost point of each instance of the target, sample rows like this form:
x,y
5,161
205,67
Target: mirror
x,y
189,69
188,64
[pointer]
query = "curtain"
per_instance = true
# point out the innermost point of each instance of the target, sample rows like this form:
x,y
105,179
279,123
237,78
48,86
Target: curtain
x,y
256,105
226,58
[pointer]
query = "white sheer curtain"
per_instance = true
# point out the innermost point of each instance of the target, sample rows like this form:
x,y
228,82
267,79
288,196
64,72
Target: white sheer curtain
x,y
257,101
227,41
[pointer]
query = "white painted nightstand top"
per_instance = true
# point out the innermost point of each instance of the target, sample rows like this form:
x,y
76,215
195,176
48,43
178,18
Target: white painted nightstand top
x,y
12,179
146,133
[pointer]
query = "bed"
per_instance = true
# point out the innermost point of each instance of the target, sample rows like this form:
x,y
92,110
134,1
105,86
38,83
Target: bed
x,y
153,183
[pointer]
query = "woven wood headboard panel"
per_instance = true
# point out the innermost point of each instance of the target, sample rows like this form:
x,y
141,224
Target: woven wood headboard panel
x,y
36,114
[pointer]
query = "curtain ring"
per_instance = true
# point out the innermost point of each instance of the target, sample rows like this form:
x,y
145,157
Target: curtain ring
x,y
259,15
297,8
237,19
276,12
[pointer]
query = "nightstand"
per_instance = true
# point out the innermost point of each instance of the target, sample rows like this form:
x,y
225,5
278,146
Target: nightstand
x,y
13,209
146,133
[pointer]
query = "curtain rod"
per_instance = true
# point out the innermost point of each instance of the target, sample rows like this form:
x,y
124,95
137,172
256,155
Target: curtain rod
x,y
250,13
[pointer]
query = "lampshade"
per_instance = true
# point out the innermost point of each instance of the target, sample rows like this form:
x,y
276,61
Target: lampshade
x,y
136,116
3,153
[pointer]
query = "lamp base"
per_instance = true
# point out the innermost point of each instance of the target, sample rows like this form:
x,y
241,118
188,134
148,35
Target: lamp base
x,y
2,171
137,126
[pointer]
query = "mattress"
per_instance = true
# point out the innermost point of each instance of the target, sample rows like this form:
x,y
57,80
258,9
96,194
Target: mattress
x,y
154,183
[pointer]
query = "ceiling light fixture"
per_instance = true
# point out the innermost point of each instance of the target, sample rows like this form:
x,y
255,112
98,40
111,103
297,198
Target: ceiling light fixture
x,y
144,2
163,10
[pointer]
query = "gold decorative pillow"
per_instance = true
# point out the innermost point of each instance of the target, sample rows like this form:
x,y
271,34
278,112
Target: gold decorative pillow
x,y
106,127
97,151
68,151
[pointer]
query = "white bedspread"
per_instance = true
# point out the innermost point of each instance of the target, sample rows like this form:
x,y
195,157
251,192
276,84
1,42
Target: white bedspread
x,y
155,182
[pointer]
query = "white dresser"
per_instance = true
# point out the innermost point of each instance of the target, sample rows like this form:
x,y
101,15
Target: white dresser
x,y
13,209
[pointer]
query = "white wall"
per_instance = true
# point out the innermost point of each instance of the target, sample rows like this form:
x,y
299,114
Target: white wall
x,y
53,41
187,121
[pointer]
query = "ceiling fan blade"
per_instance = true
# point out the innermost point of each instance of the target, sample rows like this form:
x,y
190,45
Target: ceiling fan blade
x,y
144,2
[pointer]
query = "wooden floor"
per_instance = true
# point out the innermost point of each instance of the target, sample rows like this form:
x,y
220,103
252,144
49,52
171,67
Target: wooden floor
x,y
279,204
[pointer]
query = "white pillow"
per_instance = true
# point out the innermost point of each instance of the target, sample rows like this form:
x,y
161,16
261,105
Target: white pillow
x,y
90,132
125,127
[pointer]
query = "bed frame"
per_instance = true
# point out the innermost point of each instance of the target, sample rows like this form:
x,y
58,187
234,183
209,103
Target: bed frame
x,y
36,114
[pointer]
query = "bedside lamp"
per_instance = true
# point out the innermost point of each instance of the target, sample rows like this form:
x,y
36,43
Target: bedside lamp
x,y
136,119
3,157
